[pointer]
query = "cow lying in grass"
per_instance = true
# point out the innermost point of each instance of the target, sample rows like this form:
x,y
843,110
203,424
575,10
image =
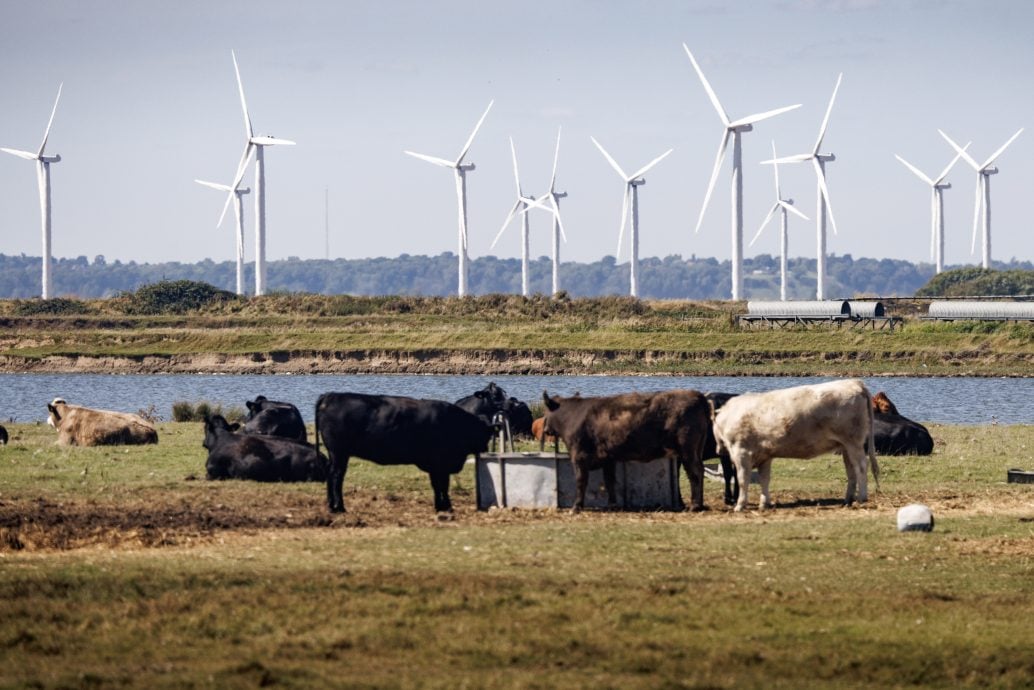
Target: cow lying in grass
x,y
274,418
896,434
83,426
261,458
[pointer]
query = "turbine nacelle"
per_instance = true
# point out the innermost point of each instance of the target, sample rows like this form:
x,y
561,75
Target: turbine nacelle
x,y
742,128
989,171
50,159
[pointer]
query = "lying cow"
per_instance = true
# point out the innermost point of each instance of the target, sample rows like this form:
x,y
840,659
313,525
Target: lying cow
x,y
273,418
542,434
434,435
83,426
602,431
800,422
262,458
895,434
491,400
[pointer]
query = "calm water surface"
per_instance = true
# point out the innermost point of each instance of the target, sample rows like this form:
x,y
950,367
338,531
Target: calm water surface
x,y
23,397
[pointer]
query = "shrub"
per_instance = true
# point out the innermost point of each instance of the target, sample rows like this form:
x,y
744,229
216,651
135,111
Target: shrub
x,y
55,306
184,411
174,297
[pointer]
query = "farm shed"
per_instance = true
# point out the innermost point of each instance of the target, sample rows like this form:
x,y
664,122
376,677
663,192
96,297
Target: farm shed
x,y
980,310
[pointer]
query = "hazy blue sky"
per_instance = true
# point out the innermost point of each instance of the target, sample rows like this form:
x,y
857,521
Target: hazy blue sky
x,y
150,103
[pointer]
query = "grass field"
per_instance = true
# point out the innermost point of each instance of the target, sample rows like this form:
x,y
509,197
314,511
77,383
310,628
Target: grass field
x,y
123,567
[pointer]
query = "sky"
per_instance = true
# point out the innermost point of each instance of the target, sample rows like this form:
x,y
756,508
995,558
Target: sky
x,y
150,103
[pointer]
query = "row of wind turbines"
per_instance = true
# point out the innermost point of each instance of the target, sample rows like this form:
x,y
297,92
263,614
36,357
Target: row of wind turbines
x,y
732,130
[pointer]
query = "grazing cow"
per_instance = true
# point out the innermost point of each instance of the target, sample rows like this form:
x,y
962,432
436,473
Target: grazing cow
x,y
3,436
261,458
83,426
491,400
434,435
799,422
602,431
896,434
272,418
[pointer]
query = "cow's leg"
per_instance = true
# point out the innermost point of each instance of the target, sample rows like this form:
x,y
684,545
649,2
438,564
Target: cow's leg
x,y
742,462
695,473
856,465
610,480
336,481
764,476
581,483
440,485
732,484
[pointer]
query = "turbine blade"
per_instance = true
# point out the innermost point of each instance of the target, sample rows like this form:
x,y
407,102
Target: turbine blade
x,y
792,209
46,134
768,219
556,215
821,176
236,181
797,158
27,155
951,165
758,117
965,156
244,103
473,134
775,169
214,185
917,172
714,177
642,171
509,217
431,159
271,141
516,175
613,163
556,159
829,109
990,160
978,203
624,215
707,87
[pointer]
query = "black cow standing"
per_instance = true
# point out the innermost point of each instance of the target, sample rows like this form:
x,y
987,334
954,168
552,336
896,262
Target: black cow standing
x,y
492,399
434,435
732,484
3,436
273,418
257,457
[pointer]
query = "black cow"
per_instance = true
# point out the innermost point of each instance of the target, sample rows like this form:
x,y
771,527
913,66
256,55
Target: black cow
x,y
895,434
261,458
602,431
732,484
273,418
434,435
3,436
491,400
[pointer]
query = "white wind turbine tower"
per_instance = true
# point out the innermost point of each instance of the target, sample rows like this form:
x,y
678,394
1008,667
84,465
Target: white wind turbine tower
x,y
630,206
937,187
520,207
254,144
823,207
553,197
460,169
733,130
983,194
43,179
238,212
782,205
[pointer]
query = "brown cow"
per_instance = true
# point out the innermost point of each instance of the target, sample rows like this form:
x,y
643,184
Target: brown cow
x,y
882,404
82,426
601,431
538,430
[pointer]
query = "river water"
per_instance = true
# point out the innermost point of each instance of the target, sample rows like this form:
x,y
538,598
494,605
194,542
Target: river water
x,y
24,397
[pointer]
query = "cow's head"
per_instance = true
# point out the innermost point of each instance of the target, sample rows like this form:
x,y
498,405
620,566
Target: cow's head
x,y
882,404
255,406
214,426
57,410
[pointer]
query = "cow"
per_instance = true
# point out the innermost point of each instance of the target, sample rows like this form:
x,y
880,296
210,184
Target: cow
x,y
3,436
262,458
491,400
83,426
799,422
602,431
732,487
273,418
896,434
542,434
435,435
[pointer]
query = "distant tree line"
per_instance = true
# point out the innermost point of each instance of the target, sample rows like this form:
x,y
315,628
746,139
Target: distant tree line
x,y
671,277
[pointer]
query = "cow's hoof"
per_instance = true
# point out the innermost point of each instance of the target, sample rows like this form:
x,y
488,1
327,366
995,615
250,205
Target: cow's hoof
x,y
575,510
699,509
337,509
444,516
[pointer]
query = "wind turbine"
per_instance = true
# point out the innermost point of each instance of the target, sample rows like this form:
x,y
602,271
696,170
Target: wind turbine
x,y
254,144
983,194
630,206
43,180
553,197
818,161
733,130
518,206
460,169
238,212
937,187
782,205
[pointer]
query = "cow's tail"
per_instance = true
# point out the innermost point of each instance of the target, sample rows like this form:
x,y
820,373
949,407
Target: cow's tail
x,y
872,441
316,431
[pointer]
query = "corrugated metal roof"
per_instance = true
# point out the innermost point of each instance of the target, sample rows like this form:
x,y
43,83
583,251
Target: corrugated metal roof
x,y
812,309
867,310
989,310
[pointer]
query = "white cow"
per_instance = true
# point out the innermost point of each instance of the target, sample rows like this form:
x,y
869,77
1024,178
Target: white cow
x,y
799,422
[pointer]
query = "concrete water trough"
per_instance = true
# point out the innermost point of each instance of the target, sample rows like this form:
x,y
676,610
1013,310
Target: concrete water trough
x,y
546,480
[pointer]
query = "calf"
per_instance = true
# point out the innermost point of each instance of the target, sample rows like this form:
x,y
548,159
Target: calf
x,y
83,426
799,422
273,418
602,431
434,435
261,458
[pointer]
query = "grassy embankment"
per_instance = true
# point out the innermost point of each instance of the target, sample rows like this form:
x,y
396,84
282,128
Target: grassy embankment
x,y
129,574
499,334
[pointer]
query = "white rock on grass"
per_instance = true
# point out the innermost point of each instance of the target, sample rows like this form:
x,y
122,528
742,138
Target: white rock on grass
x,y
915,517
